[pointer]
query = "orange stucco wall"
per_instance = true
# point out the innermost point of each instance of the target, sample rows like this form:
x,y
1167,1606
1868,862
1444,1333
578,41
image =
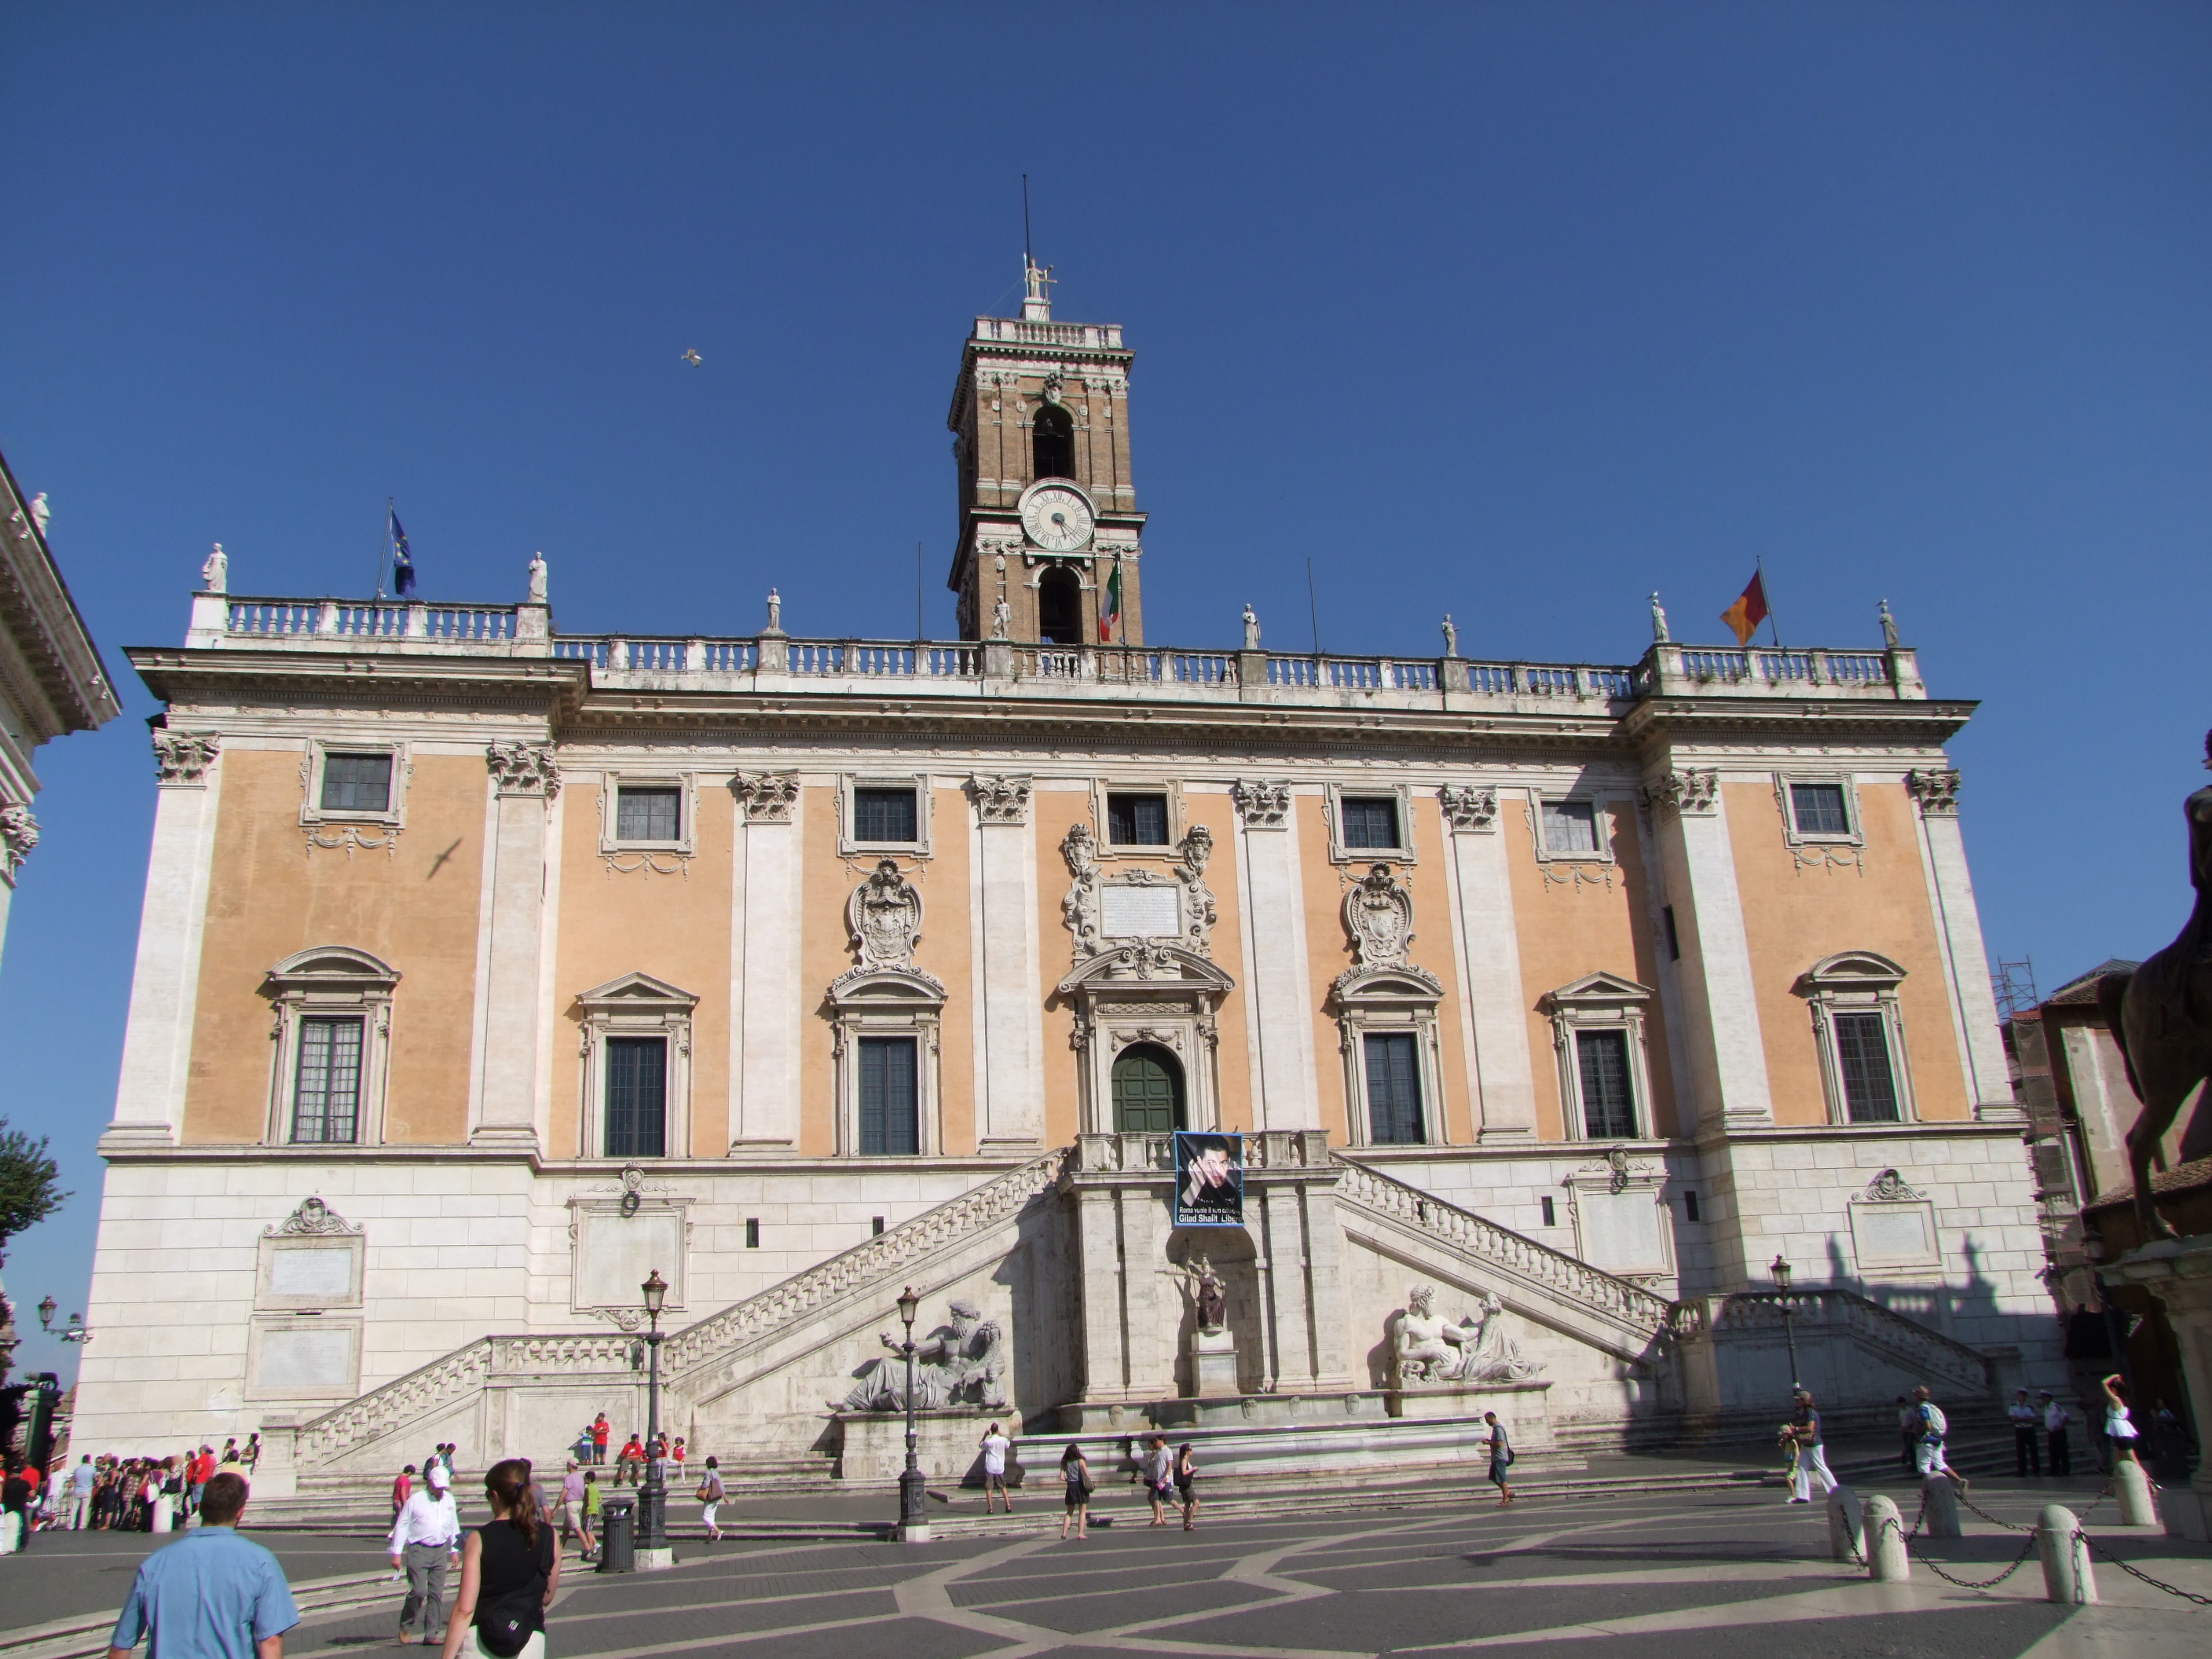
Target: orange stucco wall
x,y
1795,915
1328,953
947,952
1585,926
270,896
675,928
1056,811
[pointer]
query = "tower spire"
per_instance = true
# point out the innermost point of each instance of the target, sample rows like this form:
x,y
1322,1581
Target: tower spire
x,y
1036,304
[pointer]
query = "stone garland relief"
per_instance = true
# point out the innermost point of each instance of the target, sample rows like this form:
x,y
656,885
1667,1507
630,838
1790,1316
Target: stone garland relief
x,y
312,1219
351,837
1102,913
1428,1351
1378,915
964,1364
884,917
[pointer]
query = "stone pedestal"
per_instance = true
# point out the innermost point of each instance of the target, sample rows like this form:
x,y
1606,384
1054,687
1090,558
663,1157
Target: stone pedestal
x,y
1213,1364
1523,1407
949,1445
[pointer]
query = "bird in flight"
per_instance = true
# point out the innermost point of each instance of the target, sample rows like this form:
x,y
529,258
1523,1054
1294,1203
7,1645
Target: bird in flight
x,y
691,356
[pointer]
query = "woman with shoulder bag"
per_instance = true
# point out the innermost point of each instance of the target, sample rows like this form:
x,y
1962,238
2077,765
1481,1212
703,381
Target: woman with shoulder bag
x,y
510,1569
1075,1476
711,1494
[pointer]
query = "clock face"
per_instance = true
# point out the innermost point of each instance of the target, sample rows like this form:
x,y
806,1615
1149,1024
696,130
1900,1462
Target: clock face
x,y
1058,518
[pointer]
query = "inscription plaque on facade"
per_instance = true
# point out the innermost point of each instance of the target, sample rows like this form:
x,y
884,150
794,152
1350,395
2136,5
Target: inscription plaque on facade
x,y
1894,1234
1620,1231
615,1252
1140,912
324,1274
306,1358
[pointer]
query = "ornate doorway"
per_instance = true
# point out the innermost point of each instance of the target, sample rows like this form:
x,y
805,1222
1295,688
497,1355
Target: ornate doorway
x,y
1148,1097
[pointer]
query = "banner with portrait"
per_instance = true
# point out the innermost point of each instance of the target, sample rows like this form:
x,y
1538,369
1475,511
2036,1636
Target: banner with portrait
x,y
1209,1179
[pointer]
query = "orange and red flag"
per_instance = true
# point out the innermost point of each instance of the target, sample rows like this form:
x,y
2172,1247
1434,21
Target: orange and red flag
x,y
1748,612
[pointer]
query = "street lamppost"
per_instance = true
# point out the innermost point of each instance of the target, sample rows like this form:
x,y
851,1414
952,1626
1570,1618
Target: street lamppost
x,y
913,1496
1781,1270
653,1551
75,1332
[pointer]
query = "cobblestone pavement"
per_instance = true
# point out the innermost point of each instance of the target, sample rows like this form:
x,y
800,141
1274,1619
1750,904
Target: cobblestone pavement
x,y
1718,1576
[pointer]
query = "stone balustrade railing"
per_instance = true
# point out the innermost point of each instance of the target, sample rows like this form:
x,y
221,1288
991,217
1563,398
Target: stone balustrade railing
x,y
1943,1361
998,667
1485,1241
879,1261
397,1403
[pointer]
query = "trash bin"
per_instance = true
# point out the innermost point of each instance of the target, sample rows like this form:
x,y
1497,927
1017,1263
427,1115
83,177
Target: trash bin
x,y
618,1534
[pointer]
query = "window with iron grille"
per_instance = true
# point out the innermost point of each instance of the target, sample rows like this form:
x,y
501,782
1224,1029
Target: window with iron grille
x,y
1137,820
1370,822
1394,1089
356,783
1862,1059
1820,809
1571,826
884,815
890,1115
326,1090
1608,1099
637,1097
650,814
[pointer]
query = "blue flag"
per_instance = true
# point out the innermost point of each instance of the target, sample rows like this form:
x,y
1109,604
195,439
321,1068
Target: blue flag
x,y
402,562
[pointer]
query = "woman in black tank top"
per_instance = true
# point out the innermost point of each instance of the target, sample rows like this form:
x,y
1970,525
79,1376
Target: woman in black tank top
x,y
509,1571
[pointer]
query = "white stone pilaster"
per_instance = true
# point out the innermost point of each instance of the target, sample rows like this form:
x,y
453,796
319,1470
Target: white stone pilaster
x,y
1501,1072
1727,1055
1009,1115
765,1119
525,781
1282,1017
157,1043
1965,960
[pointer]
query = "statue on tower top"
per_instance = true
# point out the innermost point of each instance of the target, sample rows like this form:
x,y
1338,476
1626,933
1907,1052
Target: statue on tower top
x,y
1036,304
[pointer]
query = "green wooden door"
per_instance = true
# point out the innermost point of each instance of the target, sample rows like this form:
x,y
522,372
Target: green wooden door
x,y
1147,1092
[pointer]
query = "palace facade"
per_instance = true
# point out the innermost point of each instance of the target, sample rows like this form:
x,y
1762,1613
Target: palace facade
x,y
487,968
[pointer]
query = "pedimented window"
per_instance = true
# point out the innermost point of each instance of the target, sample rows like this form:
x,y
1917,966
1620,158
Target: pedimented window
x,y
1599,1052
1858,1024
636,1083
333,1049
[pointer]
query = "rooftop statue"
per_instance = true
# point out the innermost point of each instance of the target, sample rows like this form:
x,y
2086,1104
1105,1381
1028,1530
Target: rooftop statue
x,y
215,573
2161,1015
537,579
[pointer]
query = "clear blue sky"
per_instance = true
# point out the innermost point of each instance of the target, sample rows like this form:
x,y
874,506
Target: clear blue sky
x,y
1518,312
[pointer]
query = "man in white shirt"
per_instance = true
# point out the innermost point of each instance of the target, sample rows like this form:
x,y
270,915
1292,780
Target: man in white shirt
x,y
83,1478
2027,1448
426,1540
995,1446
2054,1419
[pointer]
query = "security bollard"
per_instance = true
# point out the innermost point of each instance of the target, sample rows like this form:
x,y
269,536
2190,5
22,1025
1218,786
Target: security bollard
x,y
1942,1499
1844,1524
2133,1487
2067,1575
1887,1561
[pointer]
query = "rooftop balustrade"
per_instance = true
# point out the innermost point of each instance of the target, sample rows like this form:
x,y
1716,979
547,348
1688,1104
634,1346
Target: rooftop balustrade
x,y
1003,668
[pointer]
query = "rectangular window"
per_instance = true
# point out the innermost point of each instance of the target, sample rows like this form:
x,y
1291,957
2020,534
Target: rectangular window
x,y
1674,935
1820,809
1609,1110
1862,1056
884,815
752,1233
1394,1089
1551,1215
326,1096
876,1227
1137,820
356,783
891,1120
650,814
1370,821
1689,1204
1570,826
637,1096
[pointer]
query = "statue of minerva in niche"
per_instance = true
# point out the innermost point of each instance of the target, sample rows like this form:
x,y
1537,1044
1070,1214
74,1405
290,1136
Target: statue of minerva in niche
x,y
1205,1293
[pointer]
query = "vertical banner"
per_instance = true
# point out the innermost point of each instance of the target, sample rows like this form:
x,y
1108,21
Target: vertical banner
x,y
1209,1179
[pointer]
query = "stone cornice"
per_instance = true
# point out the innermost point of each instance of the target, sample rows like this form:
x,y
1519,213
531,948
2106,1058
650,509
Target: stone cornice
x,y
200,676
41,621
1720,718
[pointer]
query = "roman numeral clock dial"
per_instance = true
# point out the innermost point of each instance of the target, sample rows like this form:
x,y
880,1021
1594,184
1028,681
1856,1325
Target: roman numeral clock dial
x,y
1058,518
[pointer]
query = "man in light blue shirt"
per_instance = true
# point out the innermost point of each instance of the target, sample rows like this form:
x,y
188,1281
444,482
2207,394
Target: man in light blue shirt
x,y
212,1594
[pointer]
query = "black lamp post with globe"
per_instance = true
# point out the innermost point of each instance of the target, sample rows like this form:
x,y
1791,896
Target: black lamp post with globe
x,y
1781,1270
913,1493
653,1504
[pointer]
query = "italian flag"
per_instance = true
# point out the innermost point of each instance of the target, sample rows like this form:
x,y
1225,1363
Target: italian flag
x,y
1110,607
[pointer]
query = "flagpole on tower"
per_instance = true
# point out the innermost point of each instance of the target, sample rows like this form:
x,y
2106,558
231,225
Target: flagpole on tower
x,y
384,546
1767,593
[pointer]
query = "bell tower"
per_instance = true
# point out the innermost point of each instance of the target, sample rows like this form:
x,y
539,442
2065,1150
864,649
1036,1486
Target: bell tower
x,y
1048,547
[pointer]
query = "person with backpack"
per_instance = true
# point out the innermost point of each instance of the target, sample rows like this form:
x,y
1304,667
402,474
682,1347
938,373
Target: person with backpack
x,y
510,1572
711,1493
1934,1425
995,1448
1186,1480
1075,1475
1501,1458
1811,1458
